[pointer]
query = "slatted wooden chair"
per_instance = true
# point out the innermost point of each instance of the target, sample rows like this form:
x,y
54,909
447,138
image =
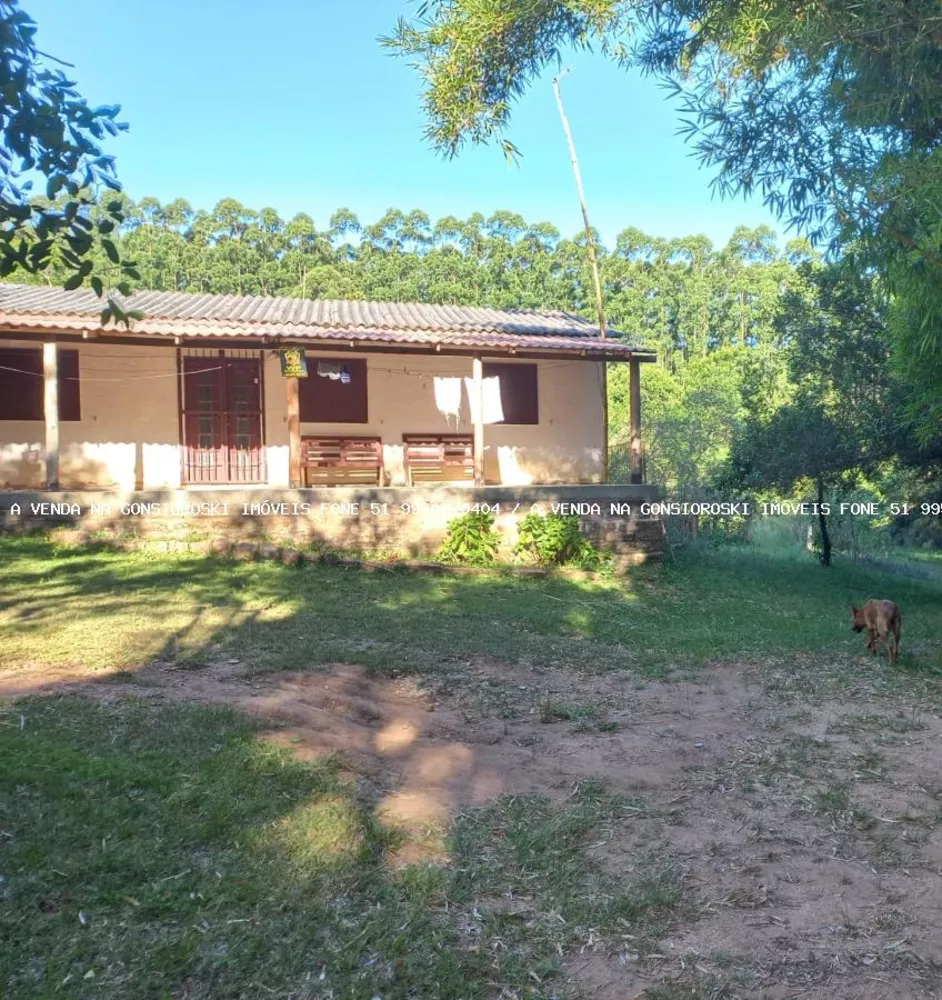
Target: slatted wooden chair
x,y
341,461
438,458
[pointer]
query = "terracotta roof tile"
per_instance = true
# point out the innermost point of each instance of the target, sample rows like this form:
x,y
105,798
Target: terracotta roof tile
x,y
25,307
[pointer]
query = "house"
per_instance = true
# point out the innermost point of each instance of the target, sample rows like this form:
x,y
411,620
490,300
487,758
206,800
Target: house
x,y
200,393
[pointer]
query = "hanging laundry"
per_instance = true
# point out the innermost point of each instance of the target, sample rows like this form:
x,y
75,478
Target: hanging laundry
x,y
493,410
490,392
448,397
330,369
345,377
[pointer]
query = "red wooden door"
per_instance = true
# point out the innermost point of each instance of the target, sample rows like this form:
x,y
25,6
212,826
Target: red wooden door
x,y
222,420
243,429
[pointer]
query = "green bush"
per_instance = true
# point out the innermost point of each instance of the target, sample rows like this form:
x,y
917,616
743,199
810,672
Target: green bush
x,y
555,540
471,540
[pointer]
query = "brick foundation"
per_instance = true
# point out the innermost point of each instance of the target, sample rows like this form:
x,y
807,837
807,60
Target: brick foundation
x,y
404,522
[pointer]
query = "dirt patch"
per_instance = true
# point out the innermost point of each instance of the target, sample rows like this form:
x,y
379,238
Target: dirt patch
x,y
811,839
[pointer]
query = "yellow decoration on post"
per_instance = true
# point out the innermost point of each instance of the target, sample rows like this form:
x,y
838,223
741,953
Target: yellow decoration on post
x,y
293,363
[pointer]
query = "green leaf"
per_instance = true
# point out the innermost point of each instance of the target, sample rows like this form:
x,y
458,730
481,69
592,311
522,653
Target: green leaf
x,y
112,251
74,282
97,285
54,186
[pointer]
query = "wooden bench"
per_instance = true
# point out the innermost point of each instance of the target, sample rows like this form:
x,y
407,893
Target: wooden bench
x,y
336,461
438,458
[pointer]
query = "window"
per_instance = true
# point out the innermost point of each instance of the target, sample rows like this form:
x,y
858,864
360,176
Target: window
x,y
519,398
325,400
70,406
21,390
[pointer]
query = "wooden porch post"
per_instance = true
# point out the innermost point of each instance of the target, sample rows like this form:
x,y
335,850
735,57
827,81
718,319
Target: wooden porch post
x,y
294,433
478,370
605,427
51,412
634,380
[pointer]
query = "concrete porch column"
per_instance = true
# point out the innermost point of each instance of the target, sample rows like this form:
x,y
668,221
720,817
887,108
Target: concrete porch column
x,y
478,371
51,412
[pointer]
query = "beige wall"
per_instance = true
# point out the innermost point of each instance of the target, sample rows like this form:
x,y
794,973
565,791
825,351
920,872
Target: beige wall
x,y
129,432
566,445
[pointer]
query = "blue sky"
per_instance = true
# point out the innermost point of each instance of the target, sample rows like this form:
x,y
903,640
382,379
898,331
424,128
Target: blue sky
x,y
293,104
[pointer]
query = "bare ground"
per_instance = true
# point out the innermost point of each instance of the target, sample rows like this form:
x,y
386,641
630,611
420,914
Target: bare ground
x,y
809,830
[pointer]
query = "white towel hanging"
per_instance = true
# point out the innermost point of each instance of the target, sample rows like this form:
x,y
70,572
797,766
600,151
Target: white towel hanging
x,y
490,391
493,411
448,397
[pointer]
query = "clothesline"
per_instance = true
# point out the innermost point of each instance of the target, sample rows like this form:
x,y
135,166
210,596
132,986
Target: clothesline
x,y
100,355
88,363
126,378
215,368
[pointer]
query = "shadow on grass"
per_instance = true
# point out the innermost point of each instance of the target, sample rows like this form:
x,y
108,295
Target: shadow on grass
x,y
153,849
109,610
159,850
167,852
60,607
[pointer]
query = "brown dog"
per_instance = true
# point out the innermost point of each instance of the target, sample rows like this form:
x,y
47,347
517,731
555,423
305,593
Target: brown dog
x,y
881,619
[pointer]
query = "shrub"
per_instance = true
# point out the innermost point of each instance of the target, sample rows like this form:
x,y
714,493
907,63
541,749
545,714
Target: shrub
x,y
470,539
554,540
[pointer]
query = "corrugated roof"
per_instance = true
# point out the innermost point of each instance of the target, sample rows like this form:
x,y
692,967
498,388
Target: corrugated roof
x,y
27,307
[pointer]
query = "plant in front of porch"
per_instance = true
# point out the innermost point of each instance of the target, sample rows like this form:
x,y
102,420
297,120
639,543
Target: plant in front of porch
x,y
555,540
471,540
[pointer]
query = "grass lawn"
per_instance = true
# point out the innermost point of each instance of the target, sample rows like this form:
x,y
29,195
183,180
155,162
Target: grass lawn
x,y
153,848
114,610
170,853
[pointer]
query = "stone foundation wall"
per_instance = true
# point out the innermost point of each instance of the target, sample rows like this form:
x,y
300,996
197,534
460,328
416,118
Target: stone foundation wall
x,y
406,522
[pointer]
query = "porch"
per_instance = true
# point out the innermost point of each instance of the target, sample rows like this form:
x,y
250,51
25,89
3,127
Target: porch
x,y
392,395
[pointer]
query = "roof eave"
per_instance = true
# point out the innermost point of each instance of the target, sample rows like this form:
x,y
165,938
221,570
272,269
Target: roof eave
x,y
76,327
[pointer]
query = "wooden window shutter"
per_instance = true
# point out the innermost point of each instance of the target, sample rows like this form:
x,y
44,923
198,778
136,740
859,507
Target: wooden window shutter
x,y
331,401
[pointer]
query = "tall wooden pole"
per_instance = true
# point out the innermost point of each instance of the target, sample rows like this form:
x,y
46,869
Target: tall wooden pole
x,y
593,260
294,433
478,372
51,412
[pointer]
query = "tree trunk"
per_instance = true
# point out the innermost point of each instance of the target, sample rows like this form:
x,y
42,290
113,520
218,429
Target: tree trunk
x,y
823,525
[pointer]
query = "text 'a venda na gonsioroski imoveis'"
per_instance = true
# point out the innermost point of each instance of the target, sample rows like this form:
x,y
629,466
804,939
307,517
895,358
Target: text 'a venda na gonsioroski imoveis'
x,y
610,509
